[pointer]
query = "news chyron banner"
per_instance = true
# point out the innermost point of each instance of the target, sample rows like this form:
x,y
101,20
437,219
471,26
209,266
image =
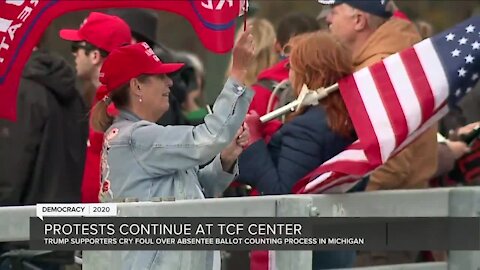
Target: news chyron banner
x,y
98,227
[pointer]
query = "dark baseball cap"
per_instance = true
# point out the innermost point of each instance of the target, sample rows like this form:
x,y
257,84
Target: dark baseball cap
x,y
375,7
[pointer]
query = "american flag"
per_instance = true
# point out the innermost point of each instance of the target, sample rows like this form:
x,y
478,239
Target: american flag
x,y
394,101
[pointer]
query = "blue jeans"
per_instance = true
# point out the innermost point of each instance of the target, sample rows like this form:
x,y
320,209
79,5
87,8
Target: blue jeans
x,y
332,259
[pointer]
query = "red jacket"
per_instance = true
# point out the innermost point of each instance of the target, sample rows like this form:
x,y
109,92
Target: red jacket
x,y
91,172
277,73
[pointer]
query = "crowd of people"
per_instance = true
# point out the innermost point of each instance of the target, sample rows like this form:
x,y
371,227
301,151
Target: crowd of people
x,y
139,128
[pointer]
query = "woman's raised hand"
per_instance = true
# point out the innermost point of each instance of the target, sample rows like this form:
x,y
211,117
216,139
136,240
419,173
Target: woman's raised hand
x,y
243,54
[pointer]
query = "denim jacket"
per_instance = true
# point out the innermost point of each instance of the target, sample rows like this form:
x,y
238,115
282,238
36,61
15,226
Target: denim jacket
x,y
144,160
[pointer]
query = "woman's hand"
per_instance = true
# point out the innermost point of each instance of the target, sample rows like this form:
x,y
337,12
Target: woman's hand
x,y
468,128
458,148
243,54
252,121
230,154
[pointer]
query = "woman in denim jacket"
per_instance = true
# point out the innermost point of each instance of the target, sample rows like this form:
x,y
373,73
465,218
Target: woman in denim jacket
x,y
144,160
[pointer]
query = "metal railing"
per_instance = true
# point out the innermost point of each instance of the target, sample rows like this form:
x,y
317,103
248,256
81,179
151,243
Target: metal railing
x,y
441,202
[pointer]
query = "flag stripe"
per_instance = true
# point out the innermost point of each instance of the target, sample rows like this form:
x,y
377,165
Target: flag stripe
x,y
330,165
419,82
434,119
344,166
332,181
350,168
405,92
377,113
390,99
329,180
357,112
355,145
433,71
318,181
337,185
342,187
349,155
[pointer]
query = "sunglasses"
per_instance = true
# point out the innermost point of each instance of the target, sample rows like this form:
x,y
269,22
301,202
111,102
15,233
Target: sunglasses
x,y
87,47
79,45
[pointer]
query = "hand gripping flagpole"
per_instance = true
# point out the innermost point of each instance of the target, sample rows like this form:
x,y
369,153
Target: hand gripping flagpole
x,y
307,97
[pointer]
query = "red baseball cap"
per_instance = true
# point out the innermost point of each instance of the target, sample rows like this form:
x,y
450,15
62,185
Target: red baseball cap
x,y
131,61
106,32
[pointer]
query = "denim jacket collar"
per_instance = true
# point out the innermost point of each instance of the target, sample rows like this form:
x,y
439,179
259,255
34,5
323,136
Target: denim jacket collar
x,y
127,115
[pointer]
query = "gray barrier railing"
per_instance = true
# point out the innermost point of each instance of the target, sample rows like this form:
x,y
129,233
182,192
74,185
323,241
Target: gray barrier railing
x,y
444,202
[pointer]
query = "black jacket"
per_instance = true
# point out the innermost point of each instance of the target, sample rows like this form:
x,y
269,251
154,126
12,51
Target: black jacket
x,y
42,154
296,149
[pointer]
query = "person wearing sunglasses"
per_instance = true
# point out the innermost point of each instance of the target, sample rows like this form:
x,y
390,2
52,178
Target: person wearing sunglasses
x,y
98,35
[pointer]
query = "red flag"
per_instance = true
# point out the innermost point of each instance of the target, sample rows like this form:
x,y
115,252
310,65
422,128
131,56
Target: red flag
x,y
22,23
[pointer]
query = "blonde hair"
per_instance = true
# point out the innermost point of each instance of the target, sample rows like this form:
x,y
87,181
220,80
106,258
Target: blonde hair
x,y
264,39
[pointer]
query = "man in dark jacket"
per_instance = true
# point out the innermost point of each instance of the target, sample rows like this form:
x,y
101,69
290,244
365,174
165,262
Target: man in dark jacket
x,y
91,43
43,153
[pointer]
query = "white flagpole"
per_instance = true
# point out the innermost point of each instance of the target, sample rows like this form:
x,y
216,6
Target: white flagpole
x,y
307,97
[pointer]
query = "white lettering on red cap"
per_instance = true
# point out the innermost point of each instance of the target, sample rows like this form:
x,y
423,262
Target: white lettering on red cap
x,y
151,53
